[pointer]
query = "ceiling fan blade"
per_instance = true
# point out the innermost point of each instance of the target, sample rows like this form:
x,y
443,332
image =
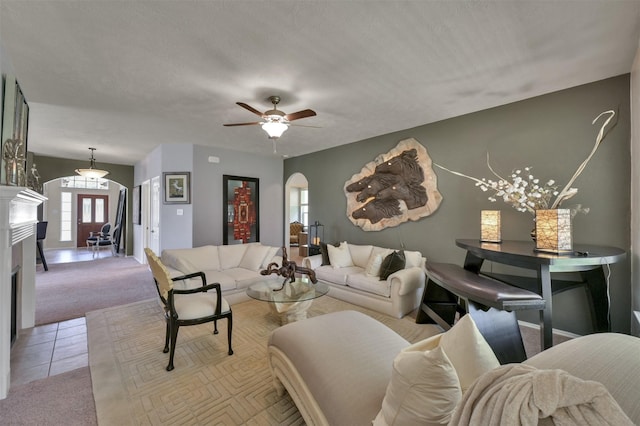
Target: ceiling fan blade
x,y
243,124
300,114
304,125
249,108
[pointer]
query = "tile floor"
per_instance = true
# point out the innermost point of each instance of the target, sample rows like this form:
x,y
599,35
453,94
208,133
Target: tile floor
x,y
51,349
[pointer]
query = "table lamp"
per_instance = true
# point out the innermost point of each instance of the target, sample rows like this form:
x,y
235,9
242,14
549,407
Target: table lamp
x,y
553,231
490,226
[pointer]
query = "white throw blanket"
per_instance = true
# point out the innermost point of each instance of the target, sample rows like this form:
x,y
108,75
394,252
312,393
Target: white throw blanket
x,y
517,394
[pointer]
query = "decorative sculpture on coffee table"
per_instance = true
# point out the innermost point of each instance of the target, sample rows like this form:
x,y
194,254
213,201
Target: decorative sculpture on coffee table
x,y
288,270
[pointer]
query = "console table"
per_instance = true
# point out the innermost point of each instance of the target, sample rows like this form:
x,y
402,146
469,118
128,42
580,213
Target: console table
x,y
587,260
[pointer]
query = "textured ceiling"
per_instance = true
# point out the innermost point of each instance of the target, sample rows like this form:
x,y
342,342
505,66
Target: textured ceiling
x,y
126,76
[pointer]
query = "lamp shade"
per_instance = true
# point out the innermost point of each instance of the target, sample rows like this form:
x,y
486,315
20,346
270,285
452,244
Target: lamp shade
x,y
553,231
274,129
92,172
490,226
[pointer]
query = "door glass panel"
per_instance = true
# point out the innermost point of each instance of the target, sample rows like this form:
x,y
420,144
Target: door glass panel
x,y
99,210
86,210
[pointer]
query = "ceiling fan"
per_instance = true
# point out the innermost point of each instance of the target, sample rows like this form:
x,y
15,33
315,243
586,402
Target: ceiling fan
x,y
274,121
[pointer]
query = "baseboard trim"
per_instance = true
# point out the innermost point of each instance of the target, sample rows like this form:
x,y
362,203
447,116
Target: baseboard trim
x,y
555,330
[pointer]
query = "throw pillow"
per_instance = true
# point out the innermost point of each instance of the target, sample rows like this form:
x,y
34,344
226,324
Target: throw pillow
x,y
340,257
373,265
254,257
414,258
392,263
325,254
465,347
423,390
269,258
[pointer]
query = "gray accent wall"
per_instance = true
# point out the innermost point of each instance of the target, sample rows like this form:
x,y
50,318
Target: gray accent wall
x,y
551,133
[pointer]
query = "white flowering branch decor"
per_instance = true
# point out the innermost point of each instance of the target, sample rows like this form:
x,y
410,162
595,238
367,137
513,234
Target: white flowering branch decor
x,y
526,193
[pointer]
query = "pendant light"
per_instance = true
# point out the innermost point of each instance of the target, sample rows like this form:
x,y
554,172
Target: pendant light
x,y
92,172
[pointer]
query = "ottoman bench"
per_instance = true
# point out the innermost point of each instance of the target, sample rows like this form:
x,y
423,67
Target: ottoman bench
x,y
327,360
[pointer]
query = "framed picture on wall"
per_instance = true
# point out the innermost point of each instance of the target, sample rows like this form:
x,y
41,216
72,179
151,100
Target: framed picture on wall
x,y
241,222
15,120
176,187
135,204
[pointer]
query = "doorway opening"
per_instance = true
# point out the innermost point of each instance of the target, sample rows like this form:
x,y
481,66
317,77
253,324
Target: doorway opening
x,y
296,212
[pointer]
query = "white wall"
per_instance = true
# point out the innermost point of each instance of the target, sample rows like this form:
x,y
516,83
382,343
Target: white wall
x,y
635,195
201,221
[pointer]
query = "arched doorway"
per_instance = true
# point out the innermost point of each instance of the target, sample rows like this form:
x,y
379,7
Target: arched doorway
x,y
296,207
63,209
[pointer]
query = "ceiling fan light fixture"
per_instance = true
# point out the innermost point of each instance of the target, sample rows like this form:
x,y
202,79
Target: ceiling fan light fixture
x,y
274,129
92,172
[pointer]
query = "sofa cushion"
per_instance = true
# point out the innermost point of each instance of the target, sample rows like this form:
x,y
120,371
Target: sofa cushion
x,y
231,255
423,390
253,257
244,277
360,254
373,265
340,256
362,281
336,275
392,263
466,348
225,280
413,258
190,260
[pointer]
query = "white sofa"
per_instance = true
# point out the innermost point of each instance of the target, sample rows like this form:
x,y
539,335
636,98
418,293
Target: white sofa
x,y
359,283
235,267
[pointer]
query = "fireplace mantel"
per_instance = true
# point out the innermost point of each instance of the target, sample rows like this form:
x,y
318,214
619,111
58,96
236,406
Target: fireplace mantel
x,y
18,216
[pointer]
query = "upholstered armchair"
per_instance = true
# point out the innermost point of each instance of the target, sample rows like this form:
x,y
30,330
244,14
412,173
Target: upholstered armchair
x,y
187,307
295,228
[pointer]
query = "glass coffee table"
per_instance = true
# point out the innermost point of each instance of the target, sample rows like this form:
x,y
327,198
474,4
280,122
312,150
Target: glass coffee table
x,y
292,301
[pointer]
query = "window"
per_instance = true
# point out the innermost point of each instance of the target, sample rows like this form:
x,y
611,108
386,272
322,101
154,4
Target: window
x,y
304,207
82,182
65,216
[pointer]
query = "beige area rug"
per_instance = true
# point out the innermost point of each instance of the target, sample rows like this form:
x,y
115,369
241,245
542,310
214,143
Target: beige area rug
x,y
131,385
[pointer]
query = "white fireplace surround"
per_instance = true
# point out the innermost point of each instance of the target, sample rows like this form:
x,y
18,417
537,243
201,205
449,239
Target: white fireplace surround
x,y
18,216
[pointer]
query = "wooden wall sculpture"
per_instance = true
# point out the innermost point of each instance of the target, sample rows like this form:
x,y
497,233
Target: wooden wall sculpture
x,y
395,187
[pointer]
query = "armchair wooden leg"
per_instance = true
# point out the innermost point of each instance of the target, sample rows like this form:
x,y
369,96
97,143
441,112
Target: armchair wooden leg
x,y
167,338
174,338
229,328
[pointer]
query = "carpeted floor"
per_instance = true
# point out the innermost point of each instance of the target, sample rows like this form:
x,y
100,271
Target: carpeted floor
x,y
65,399
69,290
131,385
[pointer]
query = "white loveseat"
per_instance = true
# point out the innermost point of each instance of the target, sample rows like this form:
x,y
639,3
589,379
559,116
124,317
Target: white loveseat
x,y
355,278
235,267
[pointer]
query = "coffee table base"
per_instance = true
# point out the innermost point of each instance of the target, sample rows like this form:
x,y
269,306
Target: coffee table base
x,y
290,312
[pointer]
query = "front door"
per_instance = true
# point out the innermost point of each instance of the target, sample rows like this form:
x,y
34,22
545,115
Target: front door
x,y
93,212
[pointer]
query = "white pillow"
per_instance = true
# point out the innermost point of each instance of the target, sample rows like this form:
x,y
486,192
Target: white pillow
x,y
373,265
423,390
413,258
269,258
231,255
360,254
466,348
254,257
340,257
